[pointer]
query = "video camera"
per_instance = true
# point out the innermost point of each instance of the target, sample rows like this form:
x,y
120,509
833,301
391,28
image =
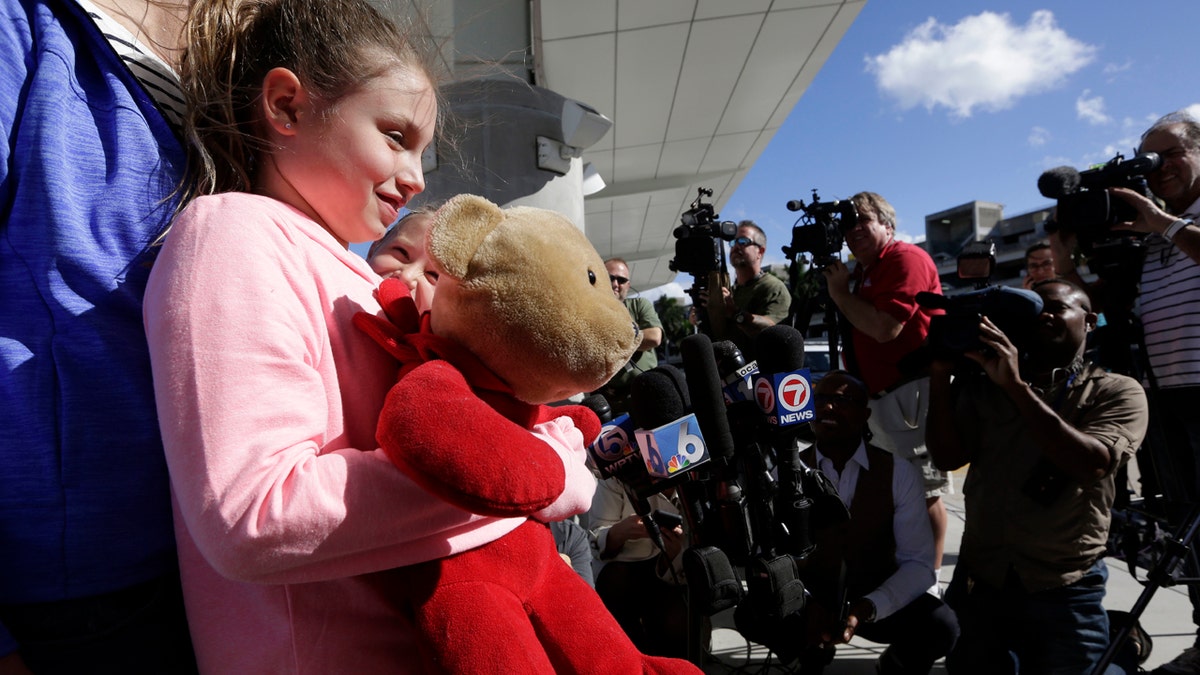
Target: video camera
x,y
1085,207
1013,310
698,249
821,232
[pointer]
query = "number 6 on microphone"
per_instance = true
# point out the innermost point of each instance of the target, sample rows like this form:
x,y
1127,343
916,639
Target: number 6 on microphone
x,y
672,448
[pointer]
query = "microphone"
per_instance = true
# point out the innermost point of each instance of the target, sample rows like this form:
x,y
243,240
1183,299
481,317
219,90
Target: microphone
x,y
734,446
704,385
657,399
782,386
781,350
736,375
1059,182
599,405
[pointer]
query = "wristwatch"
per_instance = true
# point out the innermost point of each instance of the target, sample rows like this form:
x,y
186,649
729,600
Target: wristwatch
x,y
742,317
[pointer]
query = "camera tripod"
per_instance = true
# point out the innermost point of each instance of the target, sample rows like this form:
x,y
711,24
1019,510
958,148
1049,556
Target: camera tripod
x,y
1161,575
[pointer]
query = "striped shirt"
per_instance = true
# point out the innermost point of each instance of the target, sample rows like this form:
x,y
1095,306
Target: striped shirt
x,y
1170,310
156,75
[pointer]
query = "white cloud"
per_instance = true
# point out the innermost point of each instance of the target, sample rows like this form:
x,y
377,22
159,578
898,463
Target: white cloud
x,y
1091,110
984,61
1112,69
1038,136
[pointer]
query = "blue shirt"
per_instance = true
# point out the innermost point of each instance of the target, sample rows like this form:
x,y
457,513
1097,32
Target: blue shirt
x,y
86,180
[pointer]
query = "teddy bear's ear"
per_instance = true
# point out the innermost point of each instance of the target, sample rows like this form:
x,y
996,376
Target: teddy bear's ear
x,y
459,227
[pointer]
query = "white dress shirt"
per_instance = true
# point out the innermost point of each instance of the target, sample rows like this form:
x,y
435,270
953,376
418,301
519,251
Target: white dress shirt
x,y
910,527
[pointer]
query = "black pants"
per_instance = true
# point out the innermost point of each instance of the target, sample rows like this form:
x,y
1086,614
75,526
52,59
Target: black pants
x,y
917,635
1174,444
137,630
652,612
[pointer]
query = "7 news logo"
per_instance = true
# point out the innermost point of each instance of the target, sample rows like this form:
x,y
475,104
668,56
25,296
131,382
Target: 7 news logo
x,y
786,398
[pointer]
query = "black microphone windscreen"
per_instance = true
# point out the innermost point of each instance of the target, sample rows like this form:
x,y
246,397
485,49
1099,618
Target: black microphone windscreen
x,y
780,349
599,405
708,399
655,399
1058,182
729,357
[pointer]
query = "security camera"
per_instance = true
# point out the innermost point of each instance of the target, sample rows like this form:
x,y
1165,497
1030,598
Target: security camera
x,y
582,125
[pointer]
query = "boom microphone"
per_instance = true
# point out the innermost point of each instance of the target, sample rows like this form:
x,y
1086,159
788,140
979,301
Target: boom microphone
x,y
1059,182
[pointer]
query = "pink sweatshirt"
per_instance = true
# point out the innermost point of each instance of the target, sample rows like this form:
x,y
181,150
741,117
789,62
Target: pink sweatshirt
x,y
268,400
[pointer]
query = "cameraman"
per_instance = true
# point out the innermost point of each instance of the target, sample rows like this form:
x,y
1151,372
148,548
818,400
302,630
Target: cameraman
x,y
757,300
1044,437
1170,315
887,323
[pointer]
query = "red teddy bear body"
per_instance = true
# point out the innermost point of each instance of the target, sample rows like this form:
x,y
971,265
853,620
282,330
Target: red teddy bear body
x,y
513,605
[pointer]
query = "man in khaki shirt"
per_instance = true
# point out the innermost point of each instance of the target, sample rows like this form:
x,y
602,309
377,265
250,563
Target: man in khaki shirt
x,y
1044,436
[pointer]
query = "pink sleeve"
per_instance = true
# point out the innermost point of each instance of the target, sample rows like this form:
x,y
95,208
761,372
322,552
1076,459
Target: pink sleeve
x,y
272,459
560,433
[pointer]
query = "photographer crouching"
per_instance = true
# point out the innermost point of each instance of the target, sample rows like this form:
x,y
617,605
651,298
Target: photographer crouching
x,y
886,548
1044,433
1170,318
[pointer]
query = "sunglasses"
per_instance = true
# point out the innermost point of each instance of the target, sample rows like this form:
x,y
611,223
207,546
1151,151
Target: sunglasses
x,y
745,241
620,280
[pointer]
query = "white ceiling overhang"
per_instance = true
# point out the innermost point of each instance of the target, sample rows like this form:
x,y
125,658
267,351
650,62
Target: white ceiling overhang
x,y
695,90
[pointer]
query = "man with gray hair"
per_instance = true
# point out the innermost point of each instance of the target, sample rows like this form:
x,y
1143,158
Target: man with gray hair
x,y
1170,314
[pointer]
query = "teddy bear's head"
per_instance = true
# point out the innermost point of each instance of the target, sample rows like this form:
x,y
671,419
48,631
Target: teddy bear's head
x,y
524,290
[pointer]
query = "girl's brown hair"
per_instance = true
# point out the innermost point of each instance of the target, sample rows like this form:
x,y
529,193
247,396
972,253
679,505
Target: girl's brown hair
x,y
333,47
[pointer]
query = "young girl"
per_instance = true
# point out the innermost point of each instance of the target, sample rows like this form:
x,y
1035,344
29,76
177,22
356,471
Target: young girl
x,y
307,120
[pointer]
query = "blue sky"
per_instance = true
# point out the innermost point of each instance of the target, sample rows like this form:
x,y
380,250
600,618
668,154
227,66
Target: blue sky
x,y
939,102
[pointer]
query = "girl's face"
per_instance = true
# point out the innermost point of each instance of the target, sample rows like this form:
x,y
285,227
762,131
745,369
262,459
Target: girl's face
x,y
353,167
403,255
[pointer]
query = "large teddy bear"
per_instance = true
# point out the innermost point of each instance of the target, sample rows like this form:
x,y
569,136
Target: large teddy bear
x,y
523,315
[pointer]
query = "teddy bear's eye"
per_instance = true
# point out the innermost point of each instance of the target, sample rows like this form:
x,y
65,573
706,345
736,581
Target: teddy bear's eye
x,y
591,277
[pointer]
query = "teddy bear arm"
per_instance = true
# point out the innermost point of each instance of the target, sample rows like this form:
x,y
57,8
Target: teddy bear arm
x,y
448,440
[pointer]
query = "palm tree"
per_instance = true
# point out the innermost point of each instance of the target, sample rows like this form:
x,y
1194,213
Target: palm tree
x,y
674,317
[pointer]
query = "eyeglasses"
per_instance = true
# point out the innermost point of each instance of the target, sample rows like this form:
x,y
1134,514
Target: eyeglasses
x,y
620,280
746,241
837,400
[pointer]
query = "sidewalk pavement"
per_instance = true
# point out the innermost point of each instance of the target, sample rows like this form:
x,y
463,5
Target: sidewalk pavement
x,y
1167,618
